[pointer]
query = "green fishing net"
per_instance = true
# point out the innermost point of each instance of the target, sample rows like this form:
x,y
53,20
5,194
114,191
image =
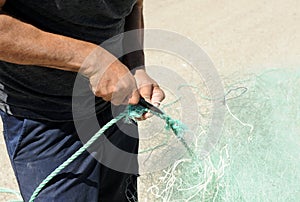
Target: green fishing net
x,y
257,157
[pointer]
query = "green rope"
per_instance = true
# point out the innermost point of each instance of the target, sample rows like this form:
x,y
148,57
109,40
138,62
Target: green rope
x,y
132,112
75,155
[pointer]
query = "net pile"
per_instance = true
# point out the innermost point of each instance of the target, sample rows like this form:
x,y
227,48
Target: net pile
x,y
258,155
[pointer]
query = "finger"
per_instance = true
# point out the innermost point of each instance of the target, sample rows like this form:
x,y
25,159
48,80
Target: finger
x,y
125,92
102,91
146,92
158,95
147,115
120,96
135,98
117,101
140,119
107,98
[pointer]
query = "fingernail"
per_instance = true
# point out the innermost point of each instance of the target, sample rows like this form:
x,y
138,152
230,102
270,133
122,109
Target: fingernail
x,y
147,99
148,115
156,104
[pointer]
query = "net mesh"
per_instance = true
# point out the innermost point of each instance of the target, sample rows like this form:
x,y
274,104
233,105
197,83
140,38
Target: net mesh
x,y
257,157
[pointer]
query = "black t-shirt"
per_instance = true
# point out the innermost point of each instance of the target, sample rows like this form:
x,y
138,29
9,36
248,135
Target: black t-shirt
x,y
45,93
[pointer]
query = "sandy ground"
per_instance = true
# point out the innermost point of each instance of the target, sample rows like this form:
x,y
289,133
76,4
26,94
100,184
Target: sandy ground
x,y
238,35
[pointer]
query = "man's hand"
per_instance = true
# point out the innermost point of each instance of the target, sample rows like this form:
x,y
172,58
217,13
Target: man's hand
x,y
148,89
110,79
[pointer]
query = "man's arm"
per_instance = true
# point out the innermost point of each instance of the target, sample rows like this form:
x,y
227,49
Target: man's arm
x,y
135,60
148,88
24,44
2,2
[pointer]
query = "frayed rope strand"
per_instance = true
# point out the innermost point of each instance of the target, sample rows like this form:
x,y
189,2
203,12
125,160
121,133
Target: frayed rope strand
x,y
178,129
176,126
131,113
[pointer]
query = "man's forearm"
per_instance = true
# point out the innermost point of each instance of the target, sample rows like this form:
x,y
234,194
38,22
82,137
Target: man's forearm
x,y
135,22
24,44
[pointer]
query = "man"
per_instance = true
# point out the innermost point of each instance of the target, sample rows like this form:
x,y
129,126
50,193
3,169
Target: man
x,y
43,45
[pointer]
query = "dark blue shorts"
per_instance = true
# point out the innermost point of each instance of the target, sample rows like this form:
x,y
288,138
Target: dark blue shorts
x,y
37,147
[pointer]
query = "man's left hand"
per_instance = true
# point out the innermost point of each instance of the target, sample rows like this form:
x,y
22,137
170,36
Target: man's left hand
x,y
148,89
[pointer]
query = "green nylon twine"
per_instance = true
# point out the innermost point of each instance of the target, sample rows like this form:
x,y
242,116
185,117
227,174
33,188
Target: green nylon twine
x,y
10,191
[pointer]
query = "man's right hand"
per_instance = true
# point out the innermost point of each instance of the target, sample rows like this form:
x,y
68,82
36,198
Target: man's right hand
x,y
109,78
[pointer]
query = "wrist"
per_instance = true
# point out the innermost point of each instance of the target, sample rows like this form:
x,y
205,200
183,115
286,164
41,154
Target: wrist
x,y
140,71
97,59
134,60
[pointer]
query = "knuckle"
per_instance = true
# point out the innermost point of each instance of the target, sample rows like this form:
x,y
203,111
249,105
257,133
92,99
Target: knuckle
x,y
98,93
105,98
